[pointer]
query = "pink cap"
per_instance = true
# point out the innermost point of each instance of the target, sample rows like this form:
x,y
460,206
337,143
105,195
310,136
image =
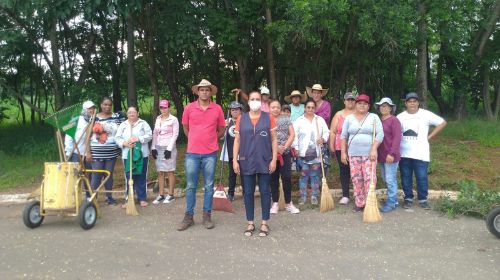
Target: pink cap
x,y
163,104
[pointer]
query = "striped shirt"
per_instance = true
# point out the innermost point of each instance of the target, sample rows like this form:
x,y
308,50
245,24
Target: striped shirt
x,y
108,149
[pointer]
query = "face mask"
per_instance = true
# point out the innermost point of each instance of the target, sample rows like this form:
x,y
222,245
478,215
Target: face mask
x,y
254,105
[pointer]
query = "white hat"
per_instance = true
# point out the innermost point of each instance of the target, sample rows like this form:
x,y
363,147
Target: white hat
x,y
264,90
388,101
88,104
204,83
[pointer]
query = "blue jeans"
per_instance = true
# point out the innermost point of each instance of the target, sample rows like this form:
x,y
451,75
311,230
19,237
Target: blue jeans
x,y
249,182
194,163
105,164
389,172
408,166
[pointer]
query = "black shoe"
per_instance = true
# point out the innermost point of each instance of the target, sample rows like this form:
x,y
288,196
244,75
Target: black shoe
x,y
230,197
425,205
407,204
111,201
357,209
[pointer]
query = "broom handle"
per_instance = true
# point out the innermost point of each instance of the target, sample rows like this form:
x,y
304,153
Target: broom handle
x,y
373,164
320,151
224,148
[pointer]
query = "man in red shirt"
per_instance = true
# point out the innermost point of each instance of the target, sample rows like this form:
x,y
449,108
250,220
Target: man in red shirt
x,y
203,123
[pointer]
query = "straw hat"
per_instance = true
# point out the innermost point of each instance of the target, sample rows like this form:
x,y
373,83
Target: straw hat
x,y
204,83
316,87
303,97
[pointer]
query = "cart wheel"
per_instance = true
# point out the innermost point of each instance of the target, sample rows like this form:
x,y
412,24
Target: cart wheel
x,y
88,215
493,222
31,214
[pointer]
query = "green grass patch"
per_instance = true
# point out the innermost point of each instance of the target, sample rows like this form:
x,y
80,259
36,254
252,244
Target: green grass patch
x,y
471,201
487,133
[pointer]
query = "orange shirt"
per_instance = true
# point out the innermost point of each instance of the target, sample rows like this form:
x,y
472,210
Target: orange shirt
x,y
255,121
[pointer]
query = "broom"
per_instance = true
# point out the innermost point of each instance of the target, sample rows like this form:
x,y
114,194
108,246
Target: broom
x,y
326,203
371,214
281,201
131,210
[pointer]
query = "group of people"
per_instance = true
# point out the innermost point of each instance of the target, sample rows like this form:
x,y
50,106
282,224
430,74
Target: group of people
x,y
263,141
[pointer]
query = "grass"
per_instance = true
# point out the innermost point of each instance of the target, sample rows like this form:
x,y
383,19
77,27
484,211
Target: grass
x,y
468,150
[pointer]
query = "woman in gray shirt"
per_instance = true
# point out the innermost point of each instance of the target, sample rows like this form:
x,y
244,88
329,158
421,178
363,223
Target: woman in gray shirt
x,y
359,149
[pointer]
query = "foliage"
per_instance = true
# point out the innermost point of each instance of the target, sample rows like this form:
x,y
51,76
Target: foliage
x,y
471,201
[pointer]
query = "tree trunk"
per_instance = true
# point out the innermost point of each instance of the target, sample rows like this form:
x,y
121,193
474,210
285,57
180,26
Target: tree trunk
x,y
497,100
270,55
54,47
422,53
131,86
484,33
242,69
486,94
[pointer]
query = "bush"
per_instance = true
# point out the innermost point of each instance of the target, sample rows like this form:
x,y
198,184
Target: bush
x,y
471,201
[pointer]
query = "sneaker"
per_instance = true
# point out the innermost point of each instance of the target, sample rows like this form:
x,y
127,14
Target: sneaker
x,y
407,204
168,199
111,201
387,208
274,208
302,200
292,209
425,205
344,200
314,200
158,199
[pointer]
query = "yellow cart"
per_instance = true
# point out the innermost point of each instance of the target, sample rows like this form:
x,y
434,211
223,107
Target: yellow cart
x,y
63,193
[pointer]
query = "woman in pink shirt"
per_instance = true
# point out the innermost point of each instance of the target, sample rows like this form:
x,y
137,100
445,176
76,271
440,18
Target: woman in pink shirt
x,y
164,151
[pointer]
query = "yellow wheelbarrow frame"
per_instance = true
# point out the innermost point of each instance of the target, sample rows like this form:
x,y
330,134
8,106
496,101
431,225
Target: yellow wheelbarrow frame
x,y
61,194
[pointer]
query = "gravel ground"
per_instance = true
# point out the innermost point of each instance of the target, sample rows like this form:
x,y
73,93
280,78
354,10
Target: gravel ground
x,y
407,244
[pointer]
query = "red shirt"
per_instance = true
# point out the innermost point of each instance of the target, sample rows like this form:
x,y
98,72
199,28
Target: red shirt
x,y
202,125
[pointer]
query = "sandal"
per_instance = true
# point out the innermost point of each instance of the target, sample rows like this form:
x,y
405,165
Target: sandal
x,y
250,229
264,230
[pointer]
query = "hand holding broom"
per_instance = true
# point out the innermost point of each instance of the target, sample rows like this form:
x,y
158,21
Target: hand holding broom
x,y
326,203
131,210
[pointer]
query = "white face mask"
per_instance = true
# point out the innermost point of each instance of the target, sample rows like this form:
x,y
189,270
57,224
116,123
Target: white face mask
x,y
254,105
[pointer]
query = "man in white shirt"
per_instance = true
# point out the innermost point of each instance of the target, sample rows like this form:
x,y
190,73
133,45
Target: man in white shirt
x,y
415,151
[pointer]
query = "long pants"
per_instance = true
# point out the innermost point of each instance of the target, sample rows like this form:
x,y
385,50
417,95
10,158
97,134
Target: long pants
x,y
360,175
345,174
249,182
194,163
232,178
409,166
286,179
309,171
389,172
140,187
106,164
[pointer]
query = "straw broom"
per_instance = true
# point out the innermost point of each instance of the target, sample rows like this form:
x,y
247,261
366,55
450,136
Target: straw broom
x,y
326,203
281,201
371,214
131,210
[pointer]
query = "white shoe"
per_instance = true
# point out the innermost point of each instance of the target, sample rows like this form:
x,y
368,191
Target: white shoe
x,y
344,200
292,209
274,208
158,199
168,199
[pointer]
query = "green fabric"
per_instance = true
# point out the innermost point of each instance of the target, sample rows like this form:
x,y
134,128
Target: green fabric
x,y
66,119
137,162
